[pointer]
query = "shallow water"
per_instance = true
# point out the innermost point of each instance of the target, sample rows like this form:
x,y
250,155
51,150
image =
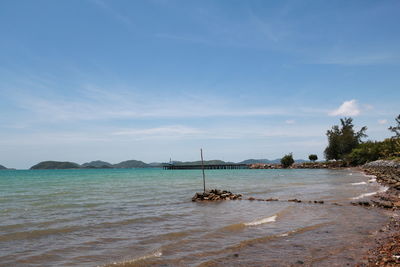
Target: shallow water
x,y
140,217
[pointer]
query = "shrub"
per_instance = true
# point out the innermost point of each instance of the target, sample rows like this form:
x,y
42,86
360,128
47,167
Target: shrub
x,y
365,152
287,160
313,157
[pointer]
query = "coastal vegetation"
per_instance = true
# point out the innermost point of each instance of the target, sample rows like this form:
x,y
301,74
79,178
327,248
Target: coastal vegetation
x,y
343,139
287,160
345,144
313,157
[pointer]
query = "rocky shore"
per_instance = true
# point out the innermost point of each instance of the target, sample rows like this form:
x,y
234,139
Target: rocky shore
x,y
387,249
304,165
215,195
387,172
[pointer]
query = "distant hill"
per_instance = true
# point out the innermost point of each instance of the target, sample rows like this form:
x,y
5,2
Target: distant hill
x,y
131,164
55,165
2,167
98,164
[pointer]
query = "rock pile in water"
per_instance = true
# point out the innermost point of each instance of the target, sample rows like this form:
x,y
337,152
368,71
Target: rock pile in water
x,y
215,194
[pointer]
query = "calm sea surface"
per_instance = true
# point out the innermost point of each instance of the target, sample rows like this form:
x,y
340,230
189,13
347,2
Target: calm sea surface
x,y
145,217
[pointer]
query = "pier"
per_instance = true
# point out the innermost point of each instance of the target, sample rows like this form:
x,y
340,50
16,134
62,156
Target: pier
x,y
206,167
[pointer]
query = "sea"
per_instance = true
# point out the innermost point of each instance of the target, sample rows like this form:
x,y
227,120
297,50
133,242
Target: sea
x,y
145,217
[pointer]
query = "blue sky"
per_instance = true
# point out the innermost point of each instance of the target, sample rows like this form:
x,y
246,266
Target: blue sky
x,y
150,80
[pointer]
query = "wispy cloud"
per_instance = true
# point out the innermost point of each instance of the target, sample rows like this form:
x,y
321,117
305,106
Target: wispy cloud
x,y
384,121
347,56
93,103
113,12
273,30
348,108
172,131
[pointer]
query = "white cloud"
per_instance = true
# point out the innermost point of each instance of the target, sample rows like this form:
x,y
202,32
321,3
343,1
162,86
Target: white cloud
x,y
290,121
348,108
382,121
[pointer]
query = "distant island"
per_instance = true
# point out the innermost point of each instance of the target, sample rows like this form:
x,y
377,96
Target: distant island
x,y
99,164
3,168
47,165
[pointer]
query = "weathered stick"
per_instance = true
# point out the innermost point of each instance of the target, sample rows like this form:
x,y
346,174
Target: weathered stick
x,y
202,167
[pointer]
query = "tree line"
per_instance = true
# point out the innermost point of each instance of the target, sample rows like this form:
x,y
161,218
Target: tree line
x,y
346,144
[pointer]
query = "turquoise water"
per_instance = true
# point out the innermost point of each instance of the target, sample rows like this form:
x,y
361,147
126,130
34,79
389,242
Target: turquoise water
x,y
130,217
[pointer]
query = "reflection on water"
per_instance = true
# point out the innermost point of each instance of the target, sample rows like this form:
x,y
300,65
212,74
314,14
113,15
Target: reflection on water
x,y
145,217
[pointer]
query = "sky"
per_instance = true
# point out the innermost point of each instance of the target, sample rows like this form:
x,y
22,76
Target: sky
x,y
159,79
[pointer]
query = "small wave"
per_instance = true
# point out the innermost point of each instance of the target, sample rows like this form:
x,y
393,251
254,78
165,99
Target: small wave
x,y
360,183
240,226
370,175
37,233
155,254
173,236
365,195
234,227
300,230
262,221
384,189
373,180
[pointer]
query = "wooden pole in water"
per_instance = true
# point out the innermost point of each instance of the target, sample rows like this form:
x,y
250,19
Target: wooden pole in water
x,y
202,167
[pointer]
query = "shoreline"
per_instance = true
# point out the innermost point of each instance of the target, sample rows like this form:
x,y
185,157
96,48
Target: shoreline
x,y
386,249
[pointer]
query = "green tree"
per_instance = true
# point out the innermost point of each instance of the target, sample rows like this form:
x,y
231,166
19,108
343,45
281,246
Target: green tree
x,y
287,160
395,140
342,140
365,152
313,157
396,129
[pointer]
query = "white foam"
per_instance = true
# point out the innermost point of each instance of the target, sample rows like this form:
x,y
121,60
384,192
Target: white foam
x,y
383,189
155,254
350,173
262,221
360,183
373,180
365,195
286,234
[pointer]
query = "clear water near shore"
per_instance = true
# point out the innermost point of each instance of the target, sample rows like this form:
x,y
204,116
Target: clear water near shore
x,y
133,217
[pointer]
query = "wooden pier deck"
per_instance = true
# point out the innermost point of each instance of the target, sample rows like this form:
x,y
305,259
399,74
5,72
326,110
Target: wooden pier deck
x,y
206,167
